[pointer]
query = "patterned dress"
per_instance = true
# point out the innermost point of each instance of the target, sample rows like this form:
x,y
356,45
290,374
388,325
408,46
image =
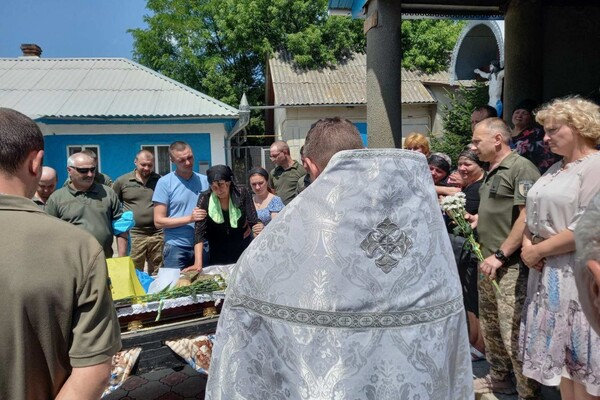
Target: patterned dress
x,y
555,337
529,143
275,205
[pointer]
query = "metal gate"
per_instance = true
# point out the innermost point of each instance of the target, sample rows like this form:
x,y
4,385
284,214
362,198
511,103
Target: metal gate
x,y
245,158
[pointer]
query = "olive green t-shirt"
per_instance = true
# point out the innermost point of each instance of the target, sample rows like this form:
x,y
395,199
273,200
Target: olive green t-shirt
x,y
56,308
93,210
285,181
137,197
502,192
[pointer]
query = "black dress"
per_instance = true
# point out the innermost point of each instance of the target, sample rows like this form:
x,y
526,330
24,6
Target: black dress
x,y
226,243
465,259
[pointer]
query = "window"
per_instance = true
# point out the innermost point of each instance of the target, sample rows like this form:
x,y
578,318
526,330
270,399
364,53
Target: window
x,y
265,159
203,167
79,148
162,161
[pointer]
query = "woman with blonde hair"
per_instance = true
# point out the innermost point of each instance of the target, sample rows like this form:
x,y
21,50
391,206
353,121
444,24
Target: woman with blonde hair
x,y
417,142
556,342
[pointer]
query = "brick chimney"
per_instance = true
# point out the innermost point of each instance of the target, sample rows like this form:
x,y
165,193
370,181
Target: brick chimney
x,y
31,50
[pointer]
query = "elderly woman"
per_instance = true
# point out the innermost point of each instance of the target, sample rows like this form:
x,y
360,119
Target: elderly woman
x,y
471,176
230,219
587,270
266,203
528,138
557,345
472,173
417,142
439,166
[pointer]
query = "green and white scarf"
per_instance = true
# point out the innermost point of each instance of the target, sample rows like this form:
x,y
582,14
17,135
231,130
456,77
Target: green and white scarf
x,y
215,212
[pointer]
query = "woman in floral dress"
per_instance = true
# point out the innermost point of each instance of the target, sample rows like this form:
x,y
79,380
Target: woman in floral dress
x,y
528,138
556,342
266,203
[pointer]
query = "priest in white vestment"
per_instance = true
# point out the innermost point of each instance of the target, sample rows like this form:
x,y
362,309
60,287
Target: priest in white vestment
x,y
351,292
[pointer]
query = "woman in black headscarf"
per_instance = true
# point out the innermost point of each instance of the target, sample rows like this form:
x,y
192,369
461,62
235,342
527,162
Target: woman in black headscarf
x,y
472,174
230,219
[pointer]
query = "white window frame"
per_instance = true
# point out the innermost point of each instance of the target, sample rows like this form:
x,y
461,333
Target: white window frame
x,y
81,147
155,152
203,166
265,159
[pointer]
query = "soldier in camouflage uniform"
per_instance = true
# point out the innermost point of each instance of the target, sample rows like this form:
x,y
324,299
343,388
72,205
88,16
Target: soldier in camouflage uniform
x,y
501,221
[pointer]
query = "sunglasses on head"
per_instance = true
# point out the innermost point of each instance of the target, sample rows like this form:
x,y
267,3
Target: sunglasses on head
x,y
84,170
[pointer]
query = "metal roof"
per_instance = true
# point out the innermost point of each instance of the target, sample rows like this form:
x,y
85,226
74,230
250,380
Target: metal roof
x,y
446,8
99,88
353,6
412,89
346,84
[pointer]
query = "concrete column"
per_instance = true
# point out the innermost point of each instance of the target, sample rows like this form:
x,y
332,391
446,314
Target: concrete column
x,y
384,120
523,54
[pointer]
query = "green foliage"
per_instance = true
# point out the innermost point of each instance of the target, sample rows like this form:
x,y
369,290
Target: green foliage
x,y
457,120
428,43
220,47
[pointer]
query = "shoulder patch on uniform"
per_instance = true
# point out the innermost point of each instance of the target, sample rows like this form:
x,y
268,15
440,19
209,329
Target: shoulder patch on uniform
x,y
524,187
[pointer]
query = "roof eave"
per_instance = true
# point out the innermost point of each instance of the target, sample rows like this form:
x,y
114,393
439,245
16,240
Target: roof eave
x,y
129,118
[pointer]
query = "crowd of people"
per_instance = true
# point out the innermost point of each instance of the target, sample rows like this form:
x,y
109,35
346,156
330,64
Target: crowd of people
x,y
364,286
175,215
533,330
73,331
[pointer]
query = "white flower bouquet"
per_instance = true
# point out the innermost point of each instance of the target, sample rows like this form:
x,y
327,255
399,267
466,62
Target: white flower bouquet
x,y
454,207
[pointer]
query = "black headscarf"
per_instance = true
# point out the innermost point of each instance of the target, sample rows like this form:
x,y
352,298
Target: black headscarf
x,y
219,173
471,155
440,162
224,173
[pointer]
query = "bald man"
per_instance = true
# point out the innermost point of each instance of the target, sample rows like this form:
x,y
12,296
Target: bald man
x,y
87,204
46,187
135,190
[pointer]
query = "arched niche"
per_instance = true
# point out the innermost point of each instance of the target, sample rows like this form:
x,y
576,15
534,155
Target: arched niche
x,y
479,43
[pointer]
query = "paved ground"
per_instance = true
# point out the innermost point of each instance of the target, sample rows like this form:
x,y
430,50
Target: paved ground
x,y
163,384
167,384
481,368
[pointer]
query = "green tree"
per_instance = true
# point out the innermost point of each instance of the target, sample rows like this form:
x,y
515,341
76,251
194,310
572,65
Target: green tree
x,y
428,43
220,47
457,120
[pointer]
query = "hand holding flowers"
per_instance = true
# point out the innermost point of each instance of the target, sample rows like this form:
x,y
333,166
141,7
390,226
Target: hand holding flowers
x,y
454,207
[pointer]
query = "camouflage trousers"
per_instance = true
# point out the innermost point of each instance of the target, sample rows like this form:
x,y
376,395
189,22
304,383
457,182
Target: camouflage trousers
x,y
500,318
146,248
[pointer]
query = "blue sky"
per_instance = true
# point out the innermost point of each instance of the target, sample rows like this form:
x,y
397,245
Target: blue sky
x,y
71,28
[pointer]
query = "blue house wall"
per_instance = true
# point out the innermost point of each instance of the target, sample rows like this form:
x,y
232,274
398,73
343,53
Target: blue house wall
x,y
362,129
117,151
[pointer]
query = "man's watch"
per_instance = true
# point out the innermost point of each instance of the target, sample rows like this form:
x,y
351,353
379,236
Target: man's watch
x,y
499,254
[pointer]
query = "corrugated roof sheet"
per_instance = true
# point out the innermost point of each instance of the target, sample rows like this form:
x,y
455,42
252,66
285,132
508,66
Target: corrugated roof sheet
x,y
99,87
346,84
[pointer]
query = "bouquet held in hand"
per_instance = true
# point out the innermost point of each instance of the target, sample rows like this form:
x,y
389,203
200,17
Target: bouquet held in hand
x,y
454,207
